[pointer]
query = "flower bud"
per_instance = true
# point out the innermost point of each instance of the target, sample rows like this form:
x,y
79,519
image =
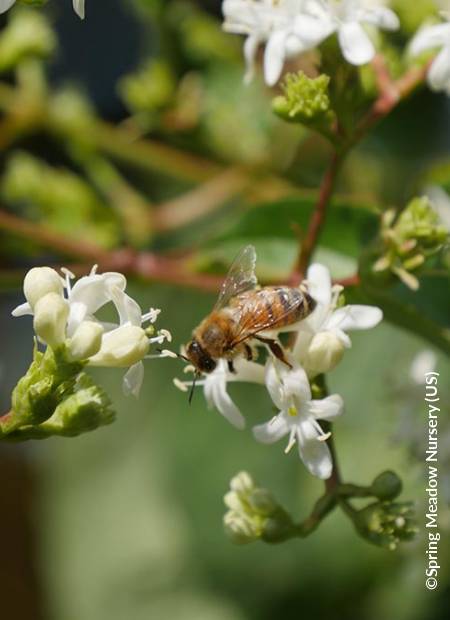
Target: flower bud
x,y
240,528
386,524
27,34
50,319
86,340
386,485
122,347
325,352
39,281
304,98
242,482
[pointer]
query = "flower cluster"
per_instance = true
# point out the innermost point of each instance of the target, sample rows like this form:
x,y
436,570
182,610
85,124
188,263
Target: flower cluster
x,y
320,343
290,27
409,238
78,6
64,318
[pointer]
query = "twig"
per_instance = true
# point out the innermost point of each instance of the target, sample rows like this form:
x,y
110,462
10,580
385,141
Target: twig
x,y
317,220
146,265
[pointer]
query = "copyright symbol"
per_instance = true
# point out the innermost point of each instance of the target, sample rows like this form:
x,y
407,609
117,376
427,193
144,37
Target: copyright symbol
x,y
431,583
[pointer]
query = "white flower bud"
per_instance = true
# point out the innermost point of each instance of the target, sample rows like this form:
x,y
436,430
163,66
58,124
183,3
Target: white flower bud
x,y
50,319
39,281
325,352
242,483
240,529
86,340
233,501
122,347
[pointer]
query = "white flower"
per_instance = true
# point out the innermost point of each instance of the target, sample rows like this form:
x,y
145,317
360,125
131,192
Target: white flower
x,y
322,337
435,37
215,387
265,21
71,320
345,17
298,416
78,6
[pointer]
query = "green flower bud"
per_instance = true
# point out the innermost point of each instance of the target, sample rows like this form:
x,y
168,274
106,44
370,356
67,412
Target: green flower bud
x,y
50,319
386,486
254,513
86,340
27,35
40,281
149,89
305,100
122,347
386,524
324,353
85,410
409,239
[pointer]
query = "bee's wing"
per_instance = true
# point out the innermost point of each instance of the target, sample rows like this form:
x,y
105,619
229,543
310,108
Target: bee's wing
x,y
257,320
240,277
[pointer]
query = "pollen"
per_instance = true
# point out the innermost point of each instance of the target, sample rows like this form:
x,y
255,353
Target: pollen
x,y
292,411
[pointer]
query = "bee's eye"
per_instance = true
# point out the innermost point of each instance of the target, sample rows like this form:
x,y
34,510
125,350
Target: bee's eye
x,y
210,364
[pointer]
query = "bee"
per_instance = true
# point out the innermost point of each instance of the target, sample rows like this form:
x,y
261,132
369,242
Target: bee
x,y
245,312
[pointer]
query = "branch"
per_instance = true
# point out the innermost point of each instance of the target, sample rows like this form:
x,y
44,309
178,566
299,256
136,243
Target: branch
x,y
317,220
146,265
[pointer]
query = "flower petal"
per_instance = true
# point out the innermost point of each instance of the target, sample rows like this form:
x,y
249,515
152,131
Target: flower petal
x,y
132,380
379,16
315,454
430,37
78,7
217,396
271,431
312,30
439,73
319,284
128,309
355,317
5,5
355,43
250,50
327,408
274,57
22,310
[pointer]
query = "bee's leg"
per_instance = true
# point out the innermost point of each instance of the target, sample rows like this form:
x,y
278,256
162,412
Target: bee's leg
x,y
275,347
231,367
248,353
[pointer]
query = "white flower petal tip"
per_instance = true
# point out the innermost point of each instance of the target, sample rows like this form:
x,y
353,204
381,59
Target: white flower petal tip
x,y
133,379
355,43
5,5
79,8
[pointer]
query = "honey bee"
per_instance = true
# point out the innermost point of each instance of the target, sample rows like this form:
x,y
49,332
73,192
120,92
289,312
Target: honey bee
x,y
244,312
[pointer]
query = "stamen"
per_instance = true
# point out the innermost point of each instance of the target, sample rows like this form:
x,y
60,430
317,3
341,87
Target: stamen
x,y
68,276
180,385
151,315
189,368
292,441
322,436
166,334
93,270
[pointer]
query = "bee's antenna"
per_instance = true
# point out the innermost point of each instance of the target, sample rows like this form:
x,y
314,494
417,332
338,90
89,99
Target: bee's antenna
x,y
191,393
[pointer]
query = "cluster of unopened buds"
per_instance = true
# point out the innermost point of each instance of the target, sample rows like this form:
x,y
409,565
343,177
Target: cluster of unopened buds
x,y
410,237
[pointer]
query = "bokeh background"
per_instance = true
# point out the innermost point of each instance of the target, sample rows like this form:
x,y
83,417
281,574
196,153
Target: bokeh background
x,y
125,522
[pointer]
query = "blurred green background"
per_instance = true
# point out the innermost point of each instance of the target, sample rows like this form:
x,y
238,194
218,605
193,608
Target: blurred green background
x,y
125,522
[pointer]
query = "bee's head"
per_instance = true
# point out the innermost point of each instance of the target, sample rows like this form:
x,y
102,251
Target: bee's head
x,y
199,357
